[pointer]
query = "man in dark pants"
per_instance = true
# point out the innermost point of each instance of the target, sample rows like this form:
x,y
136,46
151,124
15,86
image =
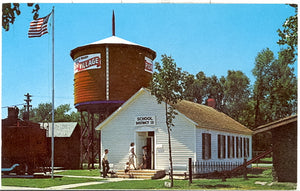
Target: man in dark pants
x,y
105,164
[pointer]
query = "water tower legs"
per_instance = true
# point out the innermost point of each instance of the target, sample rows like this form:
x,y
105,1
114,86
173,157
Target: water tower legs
x,y
90,147
90,139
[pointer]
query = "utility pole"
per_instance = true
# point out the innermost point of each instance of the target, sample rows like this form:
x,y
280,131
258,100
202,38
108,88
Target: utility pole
x,y
27,106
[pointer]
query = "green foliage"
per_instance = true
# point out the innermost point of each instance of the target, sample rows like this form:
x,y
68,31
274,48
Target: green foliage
x,y
282,99
167,86
231,92
275,88
261,71
289,36
43,113
11,10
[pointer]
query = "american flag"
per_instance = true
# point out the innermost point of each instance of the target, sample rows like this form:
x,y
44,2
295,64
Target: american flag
x,y
38,27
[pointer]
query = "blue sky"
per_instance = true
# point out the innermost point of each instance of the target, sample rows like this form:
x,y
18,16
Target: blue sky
x,y
212,38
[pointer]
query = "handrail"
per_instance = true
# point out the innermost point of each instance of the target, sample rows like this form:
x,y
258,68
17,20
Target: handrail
x,y
253,160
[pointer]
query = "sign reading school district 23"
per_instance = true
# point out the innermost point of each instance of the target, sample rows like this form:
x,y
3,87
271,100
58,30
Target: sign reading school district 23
x,y
87,62
148,65
144,120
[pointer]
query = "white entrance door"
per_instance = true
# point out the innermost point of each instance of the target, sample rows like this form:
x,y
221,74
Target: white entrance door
x,y
145,139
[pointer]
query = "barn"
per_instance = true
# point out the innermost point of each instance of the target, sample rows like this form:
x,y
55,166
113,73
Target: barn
x,y
66,143
284,146
200,132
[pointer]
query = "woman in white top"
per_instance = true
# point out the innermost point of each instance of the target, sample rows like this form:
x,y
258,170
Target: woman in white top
x,y
131,156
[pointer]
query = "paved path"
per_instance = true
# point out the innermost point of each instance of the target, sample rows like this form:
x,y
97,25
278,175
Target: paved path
x,y
68,186
17,188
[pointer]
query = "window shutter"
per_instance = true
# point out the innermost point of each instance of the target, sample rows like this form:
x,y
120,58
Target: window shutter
x,y
219,146
224,146
209,145
203,146
233,153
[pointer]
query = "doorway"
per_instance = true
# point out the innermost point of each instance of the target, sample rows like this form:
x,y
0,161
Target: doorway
x,y
145,139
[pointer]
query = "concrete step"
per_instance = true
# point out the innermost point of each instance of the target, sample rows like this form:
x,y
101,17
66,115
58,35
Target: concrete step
x,y
142,174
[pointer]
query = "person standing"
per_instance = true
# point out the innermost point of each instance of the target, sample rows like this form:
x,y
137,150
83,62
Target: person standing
x,y
131,155
145,157
105,163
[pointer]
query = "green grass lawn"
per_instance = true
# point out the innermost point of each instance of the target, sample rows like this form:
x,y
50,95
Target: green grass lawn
x,y
270,159
92,172
43,182
205,184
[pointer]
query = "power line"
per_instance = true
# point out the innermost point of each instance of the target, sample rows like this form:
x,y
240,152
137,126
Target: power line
x,y
13,105
56,97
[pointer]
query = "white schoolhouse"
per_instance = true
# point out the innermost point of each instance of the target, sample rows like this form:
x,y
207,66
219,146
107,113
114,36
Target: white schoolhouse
x,y
200,132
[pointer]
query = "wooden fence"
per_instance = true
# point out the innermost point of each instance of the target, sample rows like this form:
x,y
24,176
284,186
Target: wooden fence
x,y
209,167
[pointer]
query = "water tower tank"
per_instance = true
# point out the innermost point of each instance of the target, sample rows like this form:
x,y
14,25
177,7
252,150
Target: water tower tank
x,y
110,71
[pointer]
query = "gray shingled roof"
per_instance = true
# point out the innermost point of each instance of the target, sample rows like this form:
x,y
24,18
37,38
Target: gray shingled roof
x,y
61,129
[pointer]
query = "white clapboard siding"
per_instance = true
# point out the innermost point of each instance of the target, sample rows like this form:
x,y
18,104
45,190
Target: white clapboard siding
x,y
183,144
119,130
214,146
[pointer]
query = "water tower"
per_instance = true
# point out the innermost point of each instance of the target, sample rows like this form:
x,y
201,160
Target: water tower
x,y
106,74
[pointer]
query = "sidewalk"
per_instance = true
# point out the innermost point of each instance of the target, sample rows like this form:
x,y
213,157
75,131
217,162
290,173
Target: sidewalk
x,y
68,186
62,187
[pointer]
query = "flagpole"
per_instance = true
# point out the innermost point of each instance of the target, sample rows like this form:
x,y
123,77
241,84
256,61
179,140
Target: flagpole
x,y
52,136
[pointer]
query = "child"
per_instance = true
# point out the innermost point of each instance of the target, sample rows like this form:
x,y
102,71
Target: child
x,y
127,170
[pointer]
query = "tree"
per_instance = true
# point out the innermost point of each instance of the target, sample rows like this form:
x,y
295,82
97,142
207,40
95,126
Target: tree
x,y
236,95
275,88
289,36
195,89
167,86
261,71
215,89
61,113
43,113
11,10
282,99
